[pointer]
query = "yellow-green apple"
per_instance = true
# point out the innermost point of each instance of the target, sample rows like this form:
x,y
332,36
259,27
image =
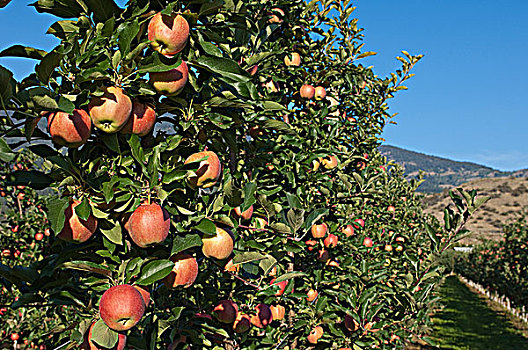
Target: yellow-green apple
x,y
319,93
226,311
168,34
271,87
245,215
277,312
76,229
329,162
148,225
307,91
209,170
260,222
348,230
263,316
172,82
145,293
367,242
330,241
141,120
319,231
242,323
70,130
293,59
311,295
121,307
183,273
111,111
315,334
89,345
218,246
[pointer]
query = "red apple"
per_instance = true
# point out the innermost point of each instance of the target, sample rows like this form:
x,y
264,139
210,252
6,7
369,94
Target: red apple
x,y
315,335
141,121
226,311
277,312
282,286
367,242
148,225
391,209
348,230
172,82
360,222
311,244
168,34
111,111
331,241
75,229
245,215
276,16
39,236
70,130
307,91
183,273
89,345
219,246
329,162
319,231
209,170
121,307
319,93
311,295
145,294
263,317
293,59
242,323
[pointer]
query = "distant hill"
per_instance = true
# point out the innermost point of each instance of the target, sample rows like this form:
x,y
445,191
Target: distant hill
x,y
441,173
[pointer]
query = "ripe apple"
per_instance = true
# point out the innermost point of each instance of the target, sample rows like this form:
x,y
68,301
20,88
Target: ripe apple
x,y
219,246
231,267
183,273
319,93
172,82
263,317
277,312
367,242
145,293
39,236
14,336
312,295
242,323
89,345
348,230
282,286
331,241
311,244
75,229
360,222
245,215
315,335
276,16
323,255
121,307
168,34
209,170
388,248
351,324
391,209
70,130
307,91
226,311
141,120
148,225
319,231
293,59
329,162
111,111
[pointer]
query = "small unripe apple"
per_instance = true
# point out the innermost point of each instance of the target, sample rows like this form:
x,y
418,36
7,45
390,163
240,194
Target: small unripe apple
x,y
319,231
75,229
293,59
307,91
219,246
226,311
168,34
111,111
319,93
121,307
315,335
183,273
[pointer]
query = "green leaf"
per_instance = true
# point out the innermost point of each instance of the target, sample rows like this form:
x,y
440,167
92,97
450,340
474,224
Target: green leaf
x,y
314,217
158,63
127,32
248,257
211,49
103,336
7,85
59,8
289,276
179,243
83,210
32,178
66,105
61,29
45,102
56,217
112,230
154,271
46,67
23,52
103,9
249,196
6,155
87,266
206,226
223,67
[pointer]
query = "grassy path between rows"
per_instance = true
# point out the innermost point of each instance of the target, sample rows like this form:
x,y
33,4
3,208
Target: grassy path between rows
x,y
467,322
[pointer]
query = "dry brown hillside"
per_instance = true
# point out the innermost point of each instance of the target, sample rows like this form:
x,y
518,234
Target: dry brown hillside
x,y
509,197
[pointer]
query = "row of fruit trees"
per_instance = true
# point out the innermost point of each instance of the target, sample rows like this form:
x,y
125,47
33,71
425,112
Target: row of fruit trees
x,y
205,174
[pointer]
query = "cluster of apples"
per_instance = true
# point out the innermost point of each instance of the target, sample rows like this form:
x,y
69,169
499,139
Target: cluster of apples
x,y
114,111
319,231
227,312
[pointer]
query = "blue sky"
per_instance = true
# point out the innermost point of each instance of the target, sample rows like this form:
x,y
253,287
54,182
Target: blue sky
x,y
467,100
